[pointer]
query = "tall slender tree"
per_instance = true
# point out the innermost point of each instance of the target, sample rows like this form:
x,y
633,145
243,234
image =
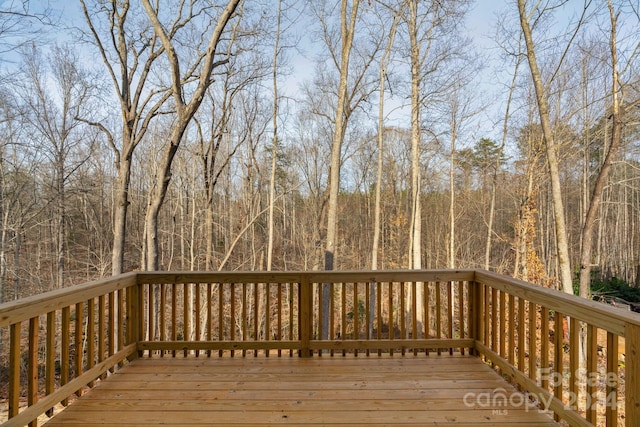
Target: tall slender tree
x,y
185,108
542,98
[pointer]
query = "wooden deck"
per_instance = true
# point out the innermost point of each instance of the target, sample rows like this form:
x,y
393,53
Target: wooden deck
x,y
399,390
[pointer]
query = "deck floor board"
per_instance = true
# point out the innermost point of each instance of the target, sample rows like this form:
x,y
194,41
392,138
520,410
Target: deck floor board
x,y
400,390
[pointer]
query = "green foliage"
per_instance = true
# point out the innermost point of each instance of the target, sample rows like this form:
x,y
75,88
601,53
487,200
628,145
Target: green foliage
x,y
614,287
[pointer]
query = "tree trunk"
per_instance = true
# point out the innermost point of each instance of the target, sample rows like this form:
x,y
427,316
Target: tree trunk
x,y
347,32
415,238
274,148
616,139
120,217
184,112
562,244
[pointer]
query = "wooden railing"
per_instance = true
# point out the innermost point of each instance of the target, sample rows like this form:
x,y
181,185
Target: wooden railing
x,y
61,343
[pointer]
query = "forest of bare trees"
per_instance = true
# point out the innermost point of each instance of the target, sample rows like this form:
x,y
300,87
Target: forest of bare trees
x,y
300,135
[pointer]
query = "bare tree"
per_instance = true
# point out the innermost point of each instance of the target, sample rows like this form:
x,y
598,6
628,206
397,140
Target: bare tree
x,y
542,98
22,23
201,72
616,117
51,112
128,48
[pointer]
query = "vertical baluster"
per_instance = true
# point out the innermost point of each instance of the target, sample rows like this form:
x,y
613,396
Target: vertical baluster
x,y
78,344
521,334
592,370
174,315
367,309
356,315
512,329
391,325
210,315
14,369
232,322
379,313
343,320
90,334
280,306
65,357
450,314
427,308
198,331
487,316
611,397
292,305
267,332
438,314
151,290
256,315
414,314
320,307
494,319
186,314
244,317
121,319
50,364
402,314
163,314
221,336
111,325
574,360
461,316
502,301
558,356
332,315
533,344
102,307
32,366
472,312
544,347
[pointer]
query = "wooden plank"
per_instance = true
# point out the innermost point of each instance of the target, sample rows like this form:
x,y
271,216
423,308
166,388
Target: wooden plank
x,y
14,369
342,417
32,366
305,312
558,352
335,391
311,277
632,373
554,403
611,412
544,345
65,353
26,308
32,412
592,367
50,358
603,316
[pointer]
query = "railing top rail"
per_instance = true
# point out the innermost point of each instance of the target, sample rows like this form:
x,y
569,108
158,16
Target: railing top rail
x,y
334,276
26,308
612,319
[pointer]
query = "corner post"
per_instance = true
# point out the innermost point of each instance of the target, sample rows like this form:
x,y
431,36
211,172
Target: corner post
x,y
306,313
133,314
475,313
632,367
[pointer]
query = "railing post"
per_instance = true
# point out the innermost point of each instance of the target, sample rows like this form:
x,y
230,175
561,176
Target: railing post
x,y
133,314
632,375
475,313
306,314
